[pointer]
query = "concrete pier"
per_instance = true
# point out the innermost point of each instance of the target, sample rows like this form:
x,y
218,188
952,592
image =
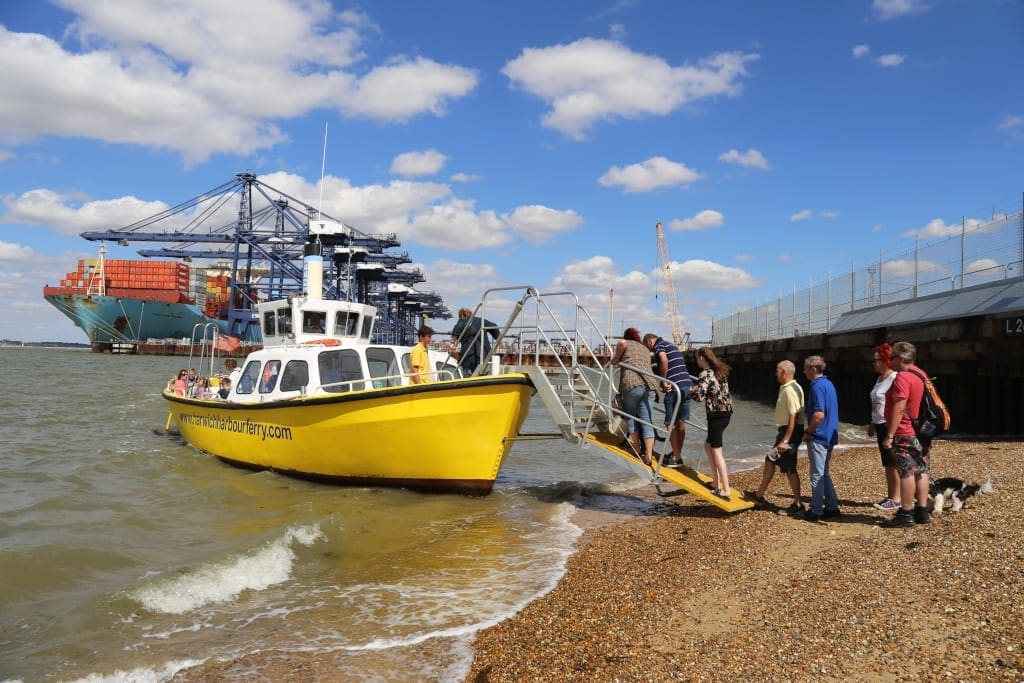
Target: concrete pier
x,y
977,362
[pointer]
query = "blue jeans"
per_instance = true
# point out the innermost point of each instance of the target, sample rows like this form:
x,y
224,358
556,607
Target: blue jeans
x,y
823,493
670,406
637,402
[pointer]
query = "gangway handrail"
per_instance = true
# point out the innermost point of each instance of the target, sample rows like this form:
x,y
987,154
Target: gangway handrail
x,y
579,395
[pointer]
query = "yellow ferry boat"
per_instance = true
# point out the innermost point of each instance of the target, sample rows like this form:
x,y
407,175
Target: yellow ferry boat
x,y
321,401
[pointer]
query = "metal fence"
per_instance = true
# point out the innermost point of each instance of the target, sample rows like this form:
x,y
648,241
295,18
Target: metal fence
x,y
977,253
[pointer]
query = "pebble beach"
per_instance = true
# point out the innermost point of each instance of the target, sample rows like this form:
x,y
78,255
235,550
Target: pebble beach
x,y
696,594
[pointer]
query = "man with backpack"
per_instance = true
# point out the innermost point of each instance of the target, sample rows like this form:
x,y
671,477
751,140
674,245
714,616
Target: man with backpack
x,y
911,453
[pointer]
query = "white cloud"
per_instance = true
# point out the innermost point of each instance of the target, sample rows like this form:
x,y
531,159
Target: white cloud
x,y
599,272
891,9
427,162
708,218
938,228
784,257
594,80
404,89
652,174
538,224
15,253
465,178
905,267
1012,126
453,279
700,274
1010,123
68,216
457,225
807,214
744,258
861,51
179,76
890,60
6,155
751,158
985,265
877,228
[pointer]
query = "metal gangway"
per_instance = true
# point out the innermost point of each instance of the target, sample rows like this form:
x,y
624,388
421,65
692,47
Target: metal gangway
x,y
577,384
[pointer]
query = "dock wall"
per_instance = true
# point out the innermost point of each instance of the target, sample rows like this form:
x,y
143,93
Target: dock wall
x,y
978,363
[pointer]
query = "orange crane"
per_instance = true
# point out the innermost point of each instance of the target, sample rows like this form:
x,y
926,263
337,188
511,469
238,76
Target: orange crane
x,y
679,337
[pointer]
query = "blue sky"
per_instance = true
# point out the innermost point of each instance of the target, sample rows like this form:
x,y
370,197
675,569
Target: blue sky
x,y
519,143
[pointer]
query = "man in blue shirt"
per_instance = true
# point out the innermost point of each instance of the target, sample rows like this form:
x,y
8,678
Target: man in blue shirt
x,y
822,435
669,363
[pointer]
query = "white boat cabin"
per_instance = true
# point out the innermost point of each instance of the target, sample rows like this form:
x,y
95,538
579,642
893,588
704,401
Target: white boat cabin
x,y
317,347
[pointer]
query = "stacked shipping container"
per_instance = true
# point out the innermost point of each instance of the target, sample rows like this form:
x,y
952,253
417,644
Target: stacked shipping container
x,y
166,281
218,294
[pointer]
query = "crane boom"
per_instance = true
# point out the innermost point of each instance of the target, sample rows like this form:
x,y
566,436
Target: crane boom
x,y
679,337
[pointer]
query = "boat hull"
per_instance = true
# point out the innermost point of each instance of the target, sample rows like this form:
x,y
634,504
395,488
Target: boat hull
x,y
106,319
446,437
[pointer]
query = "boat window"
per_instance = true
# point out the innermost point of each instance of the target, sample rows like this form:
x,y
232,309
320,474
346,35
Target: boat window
x,y
268,380
367,327
314,322
269,327
345,323
383,363
284,321
251,375
295,376
338,369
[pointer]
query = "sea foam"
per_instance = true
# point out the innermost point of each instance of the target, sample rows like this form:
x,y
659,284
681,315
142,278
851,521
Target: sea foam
x,y
223,581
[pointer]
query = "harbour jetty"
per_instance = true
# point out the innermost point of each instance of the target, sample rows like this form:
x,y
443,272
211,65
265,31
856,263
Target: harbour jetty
x,y
970,340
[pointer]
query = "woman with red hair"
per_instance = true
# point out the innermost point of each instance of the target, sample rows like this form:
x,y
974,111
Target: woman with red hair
x,y
883,366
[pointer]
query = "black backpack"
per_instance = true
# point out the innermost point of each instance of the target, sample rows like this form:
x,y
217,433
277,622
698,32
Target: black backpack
x,y
932,415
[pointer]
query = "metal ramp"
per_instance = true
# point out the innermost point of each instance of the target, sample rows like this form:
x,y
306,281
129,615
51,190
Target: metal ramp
x,y
576,383
686,478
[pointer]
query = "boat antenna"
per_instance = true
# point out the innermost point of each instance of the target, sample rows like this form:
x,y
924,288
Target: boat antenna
x,y
323,166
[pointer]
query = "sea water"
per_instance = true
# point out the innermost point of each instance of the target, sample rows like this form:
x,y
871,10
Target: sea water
x,y
128,555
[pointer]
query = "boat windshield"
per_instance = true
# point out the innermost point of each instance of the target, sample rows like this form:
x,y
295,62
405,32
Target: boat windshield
x,y
345,324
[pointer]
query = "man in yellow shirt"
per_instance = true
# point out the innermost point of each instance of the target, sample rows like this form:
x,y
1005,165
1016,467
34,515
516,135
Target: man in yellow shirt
x,y
419,360
789,423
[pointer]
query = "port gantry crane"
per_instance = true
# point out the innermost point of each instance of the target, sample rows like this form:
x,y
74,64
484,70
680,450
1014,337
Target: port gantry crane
x,y
679,336
266,243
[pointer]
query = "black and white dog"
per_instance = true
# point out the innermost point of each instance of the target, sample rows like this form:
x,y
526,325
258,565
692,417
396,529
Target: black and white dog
x,y
955,490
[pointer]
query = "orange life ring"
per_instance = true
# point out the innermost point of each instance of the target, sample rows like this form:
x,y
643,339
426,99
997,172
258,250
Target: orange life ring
x,y
323,342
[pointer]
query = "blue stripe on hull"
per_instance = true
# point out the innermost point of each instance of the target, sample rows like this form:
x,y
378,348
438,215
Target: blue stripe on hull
x,y
113,319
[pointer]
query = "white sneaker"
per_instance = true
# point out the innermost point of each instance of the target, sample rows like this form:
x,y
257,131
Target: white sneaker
x,y
886,504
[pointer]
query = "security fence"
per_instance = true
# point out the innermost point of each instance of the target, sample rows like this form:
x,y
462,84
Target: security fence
x,y
974,254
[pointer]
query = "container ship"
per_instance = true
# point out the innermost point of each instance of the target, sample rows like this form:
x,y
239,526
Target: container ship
x,y
120,304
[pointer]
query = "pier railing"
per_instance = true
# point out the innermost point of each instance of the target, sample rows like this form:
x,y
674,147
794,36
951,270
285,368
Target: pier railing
x,y
974,254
